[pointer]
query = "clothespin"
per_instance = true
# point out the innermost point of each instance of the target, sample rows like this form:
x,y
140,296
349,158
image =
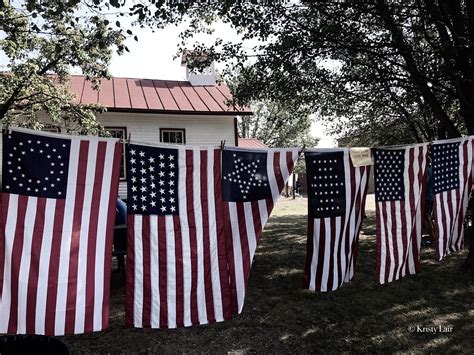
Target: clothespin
x,y
129,138
222,144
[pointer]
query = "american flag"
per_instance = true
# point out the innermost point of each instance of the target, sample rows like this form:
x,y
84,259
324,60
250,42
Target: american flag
x,y
399,198
336,199
452,184
176,259
57,218
252,181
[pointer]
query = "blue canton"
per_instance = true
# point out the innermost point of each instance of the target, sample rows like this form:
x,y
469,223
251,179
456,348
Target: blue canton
x,y
35,165
152,180
389,172
326,180
445,163
244,176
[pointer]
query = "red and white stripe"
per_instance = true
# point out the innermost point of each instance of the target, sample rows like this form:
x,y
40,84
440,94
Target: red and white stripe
x,y
247,220
176,265
449,207
399,222
332,243
58,252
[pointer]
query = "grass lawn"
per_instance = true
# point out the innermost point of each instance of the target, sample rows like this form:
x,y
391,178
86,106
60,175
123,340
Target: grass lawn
x,y
280,317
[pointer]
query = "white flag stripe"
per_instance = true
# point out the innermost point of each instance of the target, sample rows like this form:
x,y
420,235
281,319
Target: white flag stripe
x,y
215,272
25,263
171,270
101,230
202,312
138,248
10,227
238,262
63,269
83,245
43,269
154,272
314,260
183,220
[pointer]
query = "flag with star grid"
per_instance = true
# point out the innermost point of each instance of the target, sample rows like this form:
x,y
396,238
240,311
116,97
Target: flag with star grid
x,y
452,184
399,201
252,181
57,219
336,201
176,259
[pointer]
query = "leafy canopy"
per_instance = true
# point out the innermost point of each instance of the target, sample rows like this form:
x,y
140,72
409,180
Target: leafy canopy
x,y
42,41
378,64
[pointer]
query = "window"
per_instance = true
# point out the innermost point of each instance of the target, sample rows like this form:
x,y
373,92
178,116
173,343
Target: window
x,y
173,135
119,132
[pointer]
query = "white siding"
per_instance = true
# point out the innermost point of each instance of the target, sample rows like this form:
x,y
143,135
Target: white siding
x,y
145,127
200,129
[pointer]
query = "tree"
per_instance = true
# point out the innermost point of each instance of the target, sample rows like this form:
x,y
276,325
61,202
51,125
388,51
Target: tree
x,y
277,125
42,42
418,48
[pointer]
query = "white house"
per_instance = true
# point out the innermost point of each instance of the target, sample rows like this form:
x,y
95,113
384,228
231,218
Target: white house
x,y
154,111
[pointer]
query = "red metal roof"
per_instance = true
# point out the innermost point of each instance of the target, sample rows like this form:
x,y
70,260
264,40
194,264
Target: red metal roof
x,y
128,94
251,143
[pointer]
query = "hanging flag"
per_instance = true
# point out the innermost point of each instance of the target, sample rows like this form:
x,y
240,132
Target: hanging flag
x,y
452,184
57,219
252,181
336,198
176,260
399,198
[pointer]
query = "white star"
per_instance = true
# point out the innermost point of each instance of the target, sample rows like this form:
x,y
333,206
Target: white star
x,y
171,157
134,206
143,170
142,154
162,191
143,188
171,192
161,182
153,194
151,168
133,170
163,209
143,198
132,151
134,179
134,198
162,174
143,180
172,199
162,165
173,208
171,165
134,188
153,203
161,156
163,200
151,160
143,208
132,161
152,185
171,174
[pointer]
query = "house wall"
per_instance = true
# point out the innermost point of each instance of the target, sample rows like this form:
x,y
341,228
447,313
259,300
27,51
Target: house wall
x,y
145,127
199,129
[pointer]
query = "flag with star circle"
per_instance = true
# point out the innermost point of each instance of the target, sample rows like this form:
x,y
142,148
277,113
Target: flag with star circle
x,y
57,219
